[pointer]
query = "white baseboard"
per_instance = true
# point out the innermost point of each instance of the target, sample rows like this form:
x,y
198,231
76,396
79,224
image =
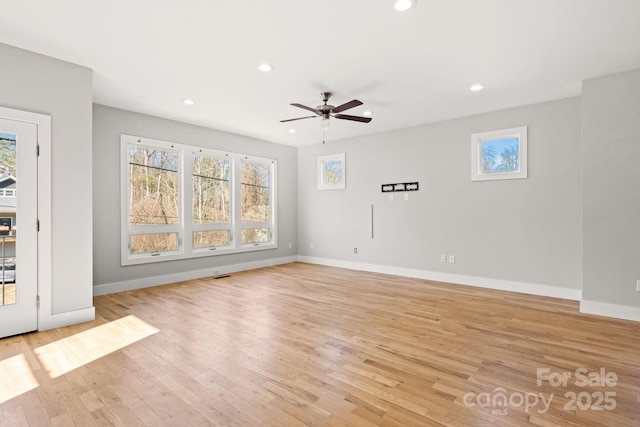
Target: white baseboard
x,y
616,311
129,285
483,282
52,321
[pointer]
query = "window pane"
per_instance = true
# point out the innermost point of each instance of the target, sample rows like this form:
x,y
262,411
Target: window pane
x,y
500,155
256,192
8,154
153,186
161,242
211,192
207,239
255,235
333,172
8,220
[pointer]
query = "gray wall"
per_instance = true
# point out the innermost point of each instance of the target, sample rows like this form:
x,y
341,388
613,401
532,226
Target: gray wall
x,y
526,230
40,84
611,188
108,124
571,224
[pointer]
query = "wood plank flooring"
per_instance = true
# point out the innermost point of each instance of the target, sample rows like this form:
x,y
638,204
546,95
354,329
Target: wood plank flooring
x,y
305,345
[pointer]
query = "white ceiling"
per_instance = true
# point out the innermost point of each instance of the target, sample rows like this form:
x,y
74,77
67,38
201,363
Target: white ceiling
x,y
408,68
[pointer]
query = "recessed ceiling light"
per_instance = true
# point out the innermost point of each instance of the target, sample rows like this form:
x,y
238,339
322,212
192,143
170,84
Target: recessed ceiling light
x,y
292,131
476,87
403,5
188,101
265,68
367,113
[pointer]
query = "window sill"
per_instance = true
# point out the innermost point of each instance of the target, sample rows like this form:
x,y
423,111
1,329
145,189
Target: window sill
x,y
199,253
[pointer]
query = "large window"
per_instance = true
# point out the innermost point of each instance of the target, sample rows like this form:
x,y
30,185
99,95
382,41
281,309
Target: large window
x,y
255,202
181,201
211,179
152,192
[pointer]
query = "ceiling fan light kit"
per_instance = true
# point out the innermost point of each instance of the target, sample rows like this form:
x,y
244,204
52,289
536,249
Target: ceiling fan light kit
x,y
324,122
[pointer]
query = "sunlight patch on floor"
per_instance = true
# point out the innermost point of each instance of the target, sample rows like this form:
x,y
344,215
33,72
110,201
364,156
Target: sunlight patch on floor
x,y
16,378
70,353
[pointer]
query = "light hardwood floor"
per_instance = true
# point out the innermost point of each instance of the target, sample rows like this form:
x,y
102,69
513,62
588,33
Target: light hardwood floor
x,y
299,344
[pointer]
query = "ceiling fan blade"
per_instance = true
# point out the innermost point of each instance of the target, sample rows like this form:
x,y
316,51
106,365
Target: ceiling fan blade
x,y
305,107
346,106
299,118
354,118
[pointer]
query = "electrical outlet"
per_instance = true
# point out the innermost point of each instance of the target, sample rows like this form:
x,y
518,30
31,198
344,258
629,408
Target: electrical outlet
x,y
452,259
391,197
638,285
290,245
406,196
310,245
355,250
443,258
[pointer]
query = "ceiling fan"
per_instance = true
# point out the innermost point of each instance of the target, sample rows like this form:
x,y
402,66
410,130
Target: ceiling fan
x,y
326,111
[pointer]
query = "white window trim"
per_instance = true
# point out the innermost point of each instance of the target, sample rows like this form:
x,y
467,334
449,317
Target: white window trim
x,y
476,154
190,226
185,226
321,170
272,213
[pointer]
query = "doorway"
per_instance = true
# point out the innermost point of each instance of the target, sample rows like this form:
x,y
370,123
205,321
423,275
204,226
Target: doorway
x,y
18,226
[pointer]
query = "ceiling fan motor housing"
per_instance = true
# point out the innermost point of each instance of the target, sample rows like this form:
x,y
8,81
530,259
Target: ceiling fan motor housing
x,y
325,109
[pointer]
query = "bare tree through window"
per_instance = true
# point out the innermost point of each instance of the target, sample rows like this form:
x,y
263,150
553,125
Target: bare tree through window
x,y
153,196
256,200
211,199
183,201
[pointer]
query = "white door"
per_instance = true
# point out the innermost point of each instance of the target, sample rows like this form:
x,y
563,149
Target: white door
x,y
18,211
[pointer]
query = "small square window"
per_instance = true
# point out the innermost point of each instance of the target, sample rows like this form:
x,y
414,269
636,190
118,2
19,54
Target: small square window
x,y
499,154
331,172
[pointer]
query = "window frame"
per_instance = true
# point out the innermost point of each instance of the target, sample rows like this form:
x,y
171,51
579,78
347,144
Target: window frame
x,y
132,230
322,161
249,225
476,154
193,227
185,226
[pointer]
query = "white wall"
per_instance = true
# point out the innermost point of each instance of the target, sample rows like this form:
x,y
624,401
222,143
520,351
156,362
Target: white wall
x,y
611,194
109,275
525,234
40,84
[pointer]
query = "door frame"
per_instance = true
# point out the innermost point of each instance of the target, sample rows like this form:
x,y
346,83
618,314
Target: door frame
x,y
44,285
